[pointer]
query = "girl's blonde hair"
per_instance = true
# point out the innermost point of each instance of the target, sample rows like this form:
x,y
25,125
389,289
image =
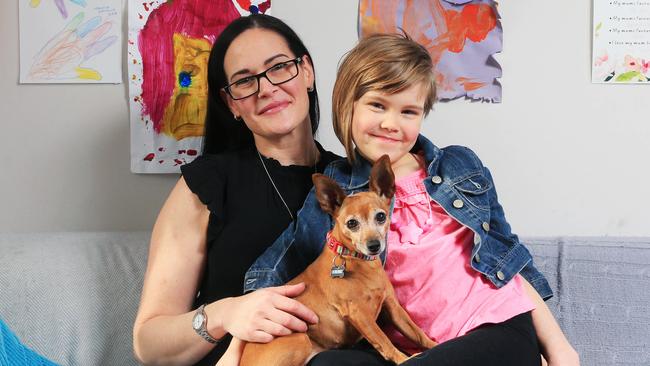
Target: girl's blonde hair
x,y
388,63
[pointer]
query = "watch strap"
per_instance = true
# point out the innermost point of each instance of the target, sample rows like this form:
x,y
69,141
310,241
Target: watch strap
x,y
203,331
205,335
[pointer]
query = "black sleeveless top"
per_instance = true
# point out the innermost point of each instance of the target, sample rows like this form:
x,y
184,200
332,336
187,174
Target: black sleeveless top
x,y
246,216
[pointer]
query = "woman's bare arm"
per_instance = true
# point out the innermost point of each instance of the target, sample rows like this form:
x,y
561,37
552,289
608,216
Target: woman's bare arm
x,y
162,333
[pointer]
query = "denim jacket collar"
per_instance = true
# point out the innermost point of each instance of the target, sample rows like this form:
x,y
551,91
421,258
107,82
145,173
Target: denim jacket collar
x,y
360,171
361,167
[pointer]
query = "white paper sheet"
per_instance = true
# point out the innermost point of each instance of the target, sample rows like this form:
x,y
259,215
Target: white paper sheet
x,y
70,41
165,41
621,42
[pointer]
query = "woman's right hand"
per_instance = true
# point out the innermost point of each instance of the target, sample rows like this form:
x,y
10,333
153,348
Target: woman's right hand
x,y
267,313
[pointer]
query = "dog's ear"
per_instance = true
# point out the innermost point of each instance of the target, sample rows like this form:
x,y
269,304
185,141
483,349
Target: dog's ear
x,y
382,179
330,196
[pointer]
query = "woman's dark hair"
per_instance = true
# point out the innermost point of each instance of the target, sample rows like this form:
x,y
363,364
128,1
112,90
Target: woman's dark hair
x,y
222,131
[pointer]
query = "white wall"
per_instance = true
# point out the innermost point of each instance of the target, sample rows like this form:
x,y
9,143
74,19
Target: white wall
x,y
569,157
65,153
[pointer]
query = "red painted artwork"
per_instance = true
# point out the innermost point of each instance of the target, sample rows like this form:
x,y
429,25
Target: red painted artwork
x,y
169,46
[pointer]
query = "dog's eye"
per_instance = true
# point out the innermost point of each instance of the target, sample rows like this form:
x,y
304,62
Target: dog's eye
x,y
352,224
380,217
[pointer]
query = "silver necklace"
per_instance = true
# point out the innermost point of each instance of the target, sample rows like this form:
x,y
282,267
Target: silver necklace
x,y
273,183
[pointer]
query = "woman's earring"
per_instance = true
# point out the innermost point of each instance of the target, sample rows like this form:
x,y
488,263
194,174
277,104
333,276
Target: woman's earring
x,y
237,118
310,89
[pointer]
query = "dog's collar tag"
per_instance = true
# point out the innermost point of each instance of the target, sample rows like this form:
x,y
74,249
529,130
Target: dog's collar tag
x,y
338,271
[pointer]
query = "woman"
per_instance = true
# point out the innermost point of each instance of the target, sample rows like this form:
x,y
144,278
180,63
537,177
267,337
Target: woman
x,y
232,202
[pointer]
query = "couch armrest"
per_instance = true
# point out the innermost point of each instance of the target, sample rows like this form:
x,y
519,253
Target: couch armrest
x,y
73,297
602,295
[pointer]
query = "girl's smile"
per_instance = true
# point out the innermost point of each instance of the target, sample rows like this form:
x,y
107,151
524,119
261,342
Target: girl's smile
x,y
388,124
385,138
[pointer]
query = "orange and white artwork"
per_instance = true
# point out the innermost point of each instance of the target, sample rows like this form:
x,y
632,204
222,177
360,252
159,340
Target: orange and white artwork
x,y
462,37
70,41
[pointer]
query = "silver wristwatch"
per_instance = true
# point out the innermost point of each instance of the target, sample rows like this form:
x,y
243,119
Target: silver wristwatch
x,y
199,323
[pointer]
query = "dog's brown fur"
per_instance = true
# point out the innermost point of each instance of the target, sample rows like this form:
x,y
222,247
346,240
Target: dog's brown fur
x,y
347,307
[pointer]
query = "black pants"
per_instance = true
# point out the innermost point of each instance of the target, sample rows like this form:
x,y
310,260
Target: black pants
x,y
511,343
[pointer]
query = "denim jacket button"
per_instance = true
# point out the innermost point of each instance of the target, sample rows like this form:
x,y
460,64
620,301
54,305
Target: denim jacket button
x,y
501,276
477,239
458,203
485,226
477,258
436,179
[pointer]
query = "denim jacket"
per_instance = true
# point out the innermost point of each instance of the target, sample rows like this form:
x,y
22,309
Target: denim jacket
x,y
457,181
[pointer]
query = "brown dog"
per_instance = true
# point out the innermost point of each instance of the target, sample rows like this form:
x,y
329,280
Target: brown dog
x,y
346,285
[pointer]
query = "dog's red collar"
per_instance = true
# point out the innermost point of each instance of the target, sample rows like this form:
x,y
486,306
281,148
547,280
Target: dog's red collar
x,y
340,249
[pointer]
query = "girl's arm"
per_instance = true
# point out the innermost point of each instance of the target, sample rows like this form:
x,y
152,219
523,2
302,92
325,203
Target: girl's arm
x,y
162,333
555,348
499,224
233,353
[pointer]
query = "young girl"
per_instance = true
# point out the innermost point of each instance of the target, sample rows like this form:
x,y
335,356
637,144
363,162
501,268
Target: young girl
x,y
456,267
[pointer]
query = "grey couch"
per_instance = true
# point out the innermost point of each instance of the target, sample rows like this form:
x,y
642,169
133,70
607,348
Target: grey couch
x,y
73,296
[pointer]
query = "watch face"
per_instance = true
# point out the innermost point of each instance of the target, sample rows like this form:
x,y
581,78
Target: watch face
x,y
197,322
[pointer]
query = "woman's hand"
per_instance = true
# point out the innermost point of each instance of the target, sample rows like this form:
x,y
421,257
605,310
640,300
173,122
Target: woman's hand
x,y
267,313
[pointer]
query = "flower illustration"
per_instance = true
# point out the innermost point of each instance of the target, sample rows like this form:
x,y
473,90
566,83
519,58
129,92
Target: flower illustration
x,y
631,63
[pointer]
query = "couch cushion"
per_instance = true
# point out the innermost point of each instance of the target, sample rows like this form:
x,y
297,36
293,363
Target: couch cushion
x,y
602,295
73,296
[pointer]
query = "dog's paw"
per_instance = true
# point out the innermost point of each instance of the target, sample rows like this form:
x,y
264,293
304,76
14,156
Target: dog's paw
x,y
429,344
401,358
415,355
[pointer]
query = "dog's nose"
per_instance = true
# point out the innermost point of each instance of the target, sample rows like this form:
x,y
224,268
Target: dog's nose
x,y
374,246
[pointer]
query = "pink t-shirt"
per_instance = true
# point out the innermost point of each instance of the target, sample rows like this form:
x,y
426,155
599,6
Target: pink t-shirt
x,y
428,263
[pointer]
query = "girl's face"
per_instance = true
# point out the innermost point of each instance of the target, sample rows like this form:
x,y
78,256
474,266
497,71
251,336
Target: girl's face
x,y
388,123
276,110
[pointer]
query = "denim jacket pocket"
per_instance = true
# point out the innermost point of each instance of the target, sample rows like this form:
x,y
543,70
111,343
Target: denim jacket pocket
x,y
475,189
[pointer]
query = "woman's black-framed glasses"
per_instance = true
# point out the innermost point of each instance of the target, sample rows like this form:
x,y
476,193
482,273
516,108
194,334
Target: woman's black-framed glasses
x,y
277,74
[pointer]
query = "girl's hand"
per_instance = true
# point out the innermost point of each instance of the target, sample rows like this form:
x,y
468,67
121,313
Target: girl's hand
x,y
564,355
554,345
267,313
233,353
